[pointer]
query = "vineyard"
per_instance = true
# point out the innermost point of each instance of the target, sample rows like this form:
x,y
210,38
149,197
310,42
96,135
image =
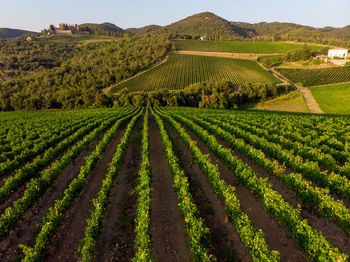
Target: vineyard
x,y
240,47
174,184
316,77
182,70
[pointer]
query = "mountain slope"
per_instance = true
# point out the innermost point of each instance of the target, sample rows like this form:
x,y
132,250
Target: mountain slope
x,y
12,33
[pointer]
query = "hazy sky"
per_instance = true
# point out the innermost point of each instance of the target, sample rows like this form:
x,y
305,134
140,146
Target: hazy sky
x,y
38,14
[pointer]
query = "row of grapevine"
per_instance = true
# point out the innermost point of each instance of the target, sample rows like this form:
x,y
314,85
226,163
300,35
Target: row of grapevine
x,y
311,241
296,135
143,207
94,223
252,238
23,131
39,146
317,77
194,224
37,186
336,183
182,70
54,218
319,198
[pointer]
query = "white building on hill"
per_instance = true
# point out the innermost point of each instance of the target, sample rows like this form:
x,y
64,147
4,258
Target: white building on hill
x,y
338,52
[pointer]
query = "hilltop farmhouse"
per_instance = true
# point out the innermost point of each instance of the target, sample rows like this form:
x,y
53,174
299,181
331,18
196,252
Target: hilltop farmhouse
x,y
65,29
338,52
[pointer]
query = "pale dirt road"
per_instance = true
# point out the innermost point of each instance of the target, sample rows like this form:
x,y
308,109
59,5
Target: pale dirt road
x,y
310,101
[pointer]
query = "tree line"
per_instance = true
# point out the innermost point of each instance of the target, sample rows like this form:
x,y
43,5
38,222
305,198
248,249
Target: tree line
x,y
203,94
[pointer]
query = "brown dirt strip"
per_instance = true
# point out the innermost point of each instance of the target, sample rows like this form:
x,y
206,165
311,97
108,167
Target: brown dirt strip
x,y
225,243
310,101
66,241
276,235
330,230
245,56
117,239
27,229
167,228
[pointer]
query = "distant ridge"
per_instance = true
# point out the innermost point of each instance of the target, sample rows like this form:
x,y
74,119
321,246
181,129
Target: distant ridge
x,y
109,27
218,28
215,27
13,33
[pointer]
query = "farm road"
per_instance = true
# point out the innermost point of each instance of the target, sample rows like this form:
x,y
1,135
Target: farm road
x,y
310,101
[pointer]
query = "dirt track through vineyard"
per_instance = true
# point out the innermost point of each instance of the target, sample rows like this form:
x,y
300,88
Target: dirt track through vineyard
x,y
118,234
310,101
167,227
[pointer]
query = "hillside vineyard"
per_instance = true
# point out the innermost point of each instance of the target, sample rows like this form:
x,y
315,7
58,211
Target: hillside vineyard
x,y
146,184
179,71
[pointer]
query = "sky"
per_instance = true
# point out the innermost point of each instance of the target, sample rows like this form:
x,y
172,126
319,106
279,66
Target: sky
x,y
36,15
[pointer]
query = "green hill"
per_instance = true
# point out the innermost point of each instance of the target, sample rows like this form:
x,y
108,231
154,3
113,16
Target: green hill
x,y
144,30
290,31
216,28
109,27
12,33
201,24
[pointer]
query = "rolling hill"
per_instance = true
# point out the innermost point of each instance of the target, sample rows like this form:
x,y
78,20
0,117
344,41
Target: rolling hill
x,y
12,33
109,27
216,27
200,24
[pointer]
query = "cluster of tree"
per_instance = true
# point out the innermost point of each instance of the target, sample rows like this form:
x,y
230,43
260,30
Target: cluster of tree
x,y
299,55
304,54
76,82
23,55
271,60
203,94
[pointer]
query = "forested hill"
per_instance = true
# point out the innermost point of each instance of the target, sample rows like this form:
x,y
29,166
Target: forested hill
x,y
290,31
206,23
107,27
12,33
217,28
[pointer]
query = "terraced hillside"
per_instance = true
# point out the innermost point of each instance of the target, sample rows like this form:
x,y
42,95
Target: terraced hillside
x,y
170,184
179,71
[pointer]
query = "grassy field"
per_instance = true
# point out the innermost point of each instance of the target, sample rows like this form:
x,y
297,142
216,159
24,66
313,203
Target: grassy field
x,y
316,77
333,99
291,102
182,70
240,47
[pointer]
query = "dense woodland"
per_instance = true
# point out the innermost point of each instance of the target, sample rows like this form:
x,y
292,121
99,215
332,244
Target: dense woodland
x,y
42,75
